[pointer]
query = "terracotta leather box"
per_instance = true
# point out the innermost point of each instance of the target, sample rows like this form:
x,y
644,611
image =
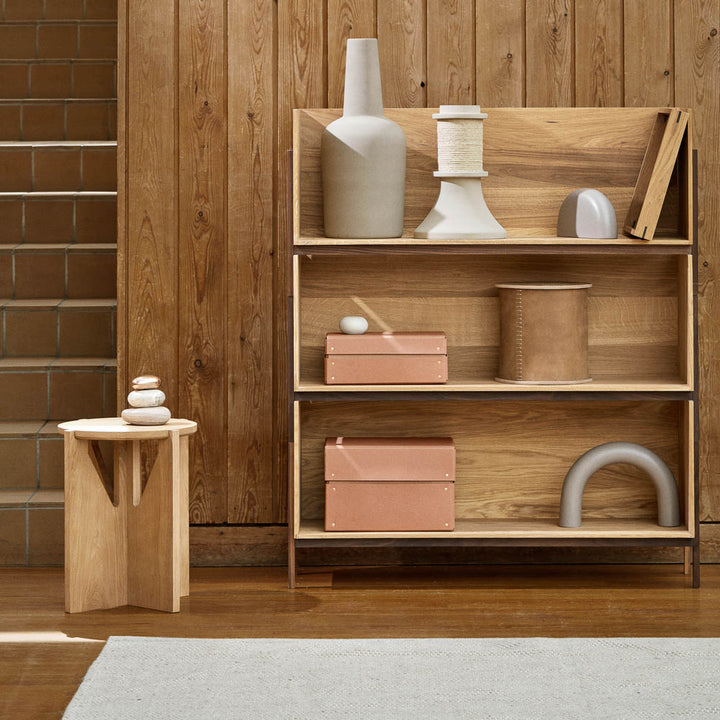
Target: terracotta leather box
x,y
386,358
389,484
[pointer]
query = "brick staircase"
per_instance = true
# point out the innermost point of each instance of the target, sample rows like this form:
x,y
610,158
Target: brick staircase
x,y
57,253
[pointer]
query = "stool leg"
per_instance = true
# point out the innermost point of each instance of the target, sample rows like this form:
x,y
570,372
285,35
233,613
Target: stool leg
x,y
152,527
95,548
184,515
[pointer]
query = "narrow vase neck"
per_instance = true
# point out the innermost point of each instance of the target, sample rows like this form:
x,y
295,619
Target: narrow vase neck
x,y
363,89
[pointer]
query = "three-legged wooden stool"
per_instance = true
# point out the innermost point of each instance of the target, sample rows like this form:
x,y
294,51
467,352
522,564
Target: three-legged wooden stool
x,y
125,545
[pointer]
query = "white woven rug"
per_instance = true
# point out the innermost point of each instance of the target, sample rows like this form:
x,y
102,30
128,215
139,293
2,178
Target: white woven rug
x,y
488,679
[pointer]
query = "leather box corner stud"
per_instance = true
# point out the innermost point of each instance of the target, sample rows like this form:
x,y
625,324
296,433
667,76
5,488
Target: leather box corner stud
x,y
389,484
543,333
387,358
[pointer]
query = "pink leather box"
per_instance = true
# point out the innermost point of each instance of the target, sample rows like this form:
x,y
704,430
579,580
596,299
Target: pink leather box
x,y
386,358
389,484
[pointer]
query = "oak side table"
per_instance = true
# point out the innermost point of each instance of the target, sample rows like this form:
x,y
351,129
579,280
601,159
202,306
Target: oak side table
x,y
125,545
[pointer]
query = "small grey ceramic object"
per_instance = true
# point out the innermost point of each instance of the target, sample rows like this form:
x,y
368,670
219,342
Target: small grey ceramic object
x,y
146,398
146,416
587,213
354,325
619,452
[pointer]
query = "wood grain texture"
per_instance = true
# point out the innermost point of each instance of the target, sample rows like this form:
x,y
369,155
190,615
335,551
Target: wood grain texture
x,y
153,534
345,19
599,53
662,158
633,329
251,101
152,194
697,79
450,53
648,53
38,679
95,539
401,32
534,158
276,60
202,250
500,53
492,437
302,75
550,47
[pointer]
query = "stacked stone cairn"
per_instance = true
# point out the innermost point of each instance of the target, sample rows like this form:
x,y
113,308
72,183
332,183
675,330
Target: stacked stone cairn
x,y
145,402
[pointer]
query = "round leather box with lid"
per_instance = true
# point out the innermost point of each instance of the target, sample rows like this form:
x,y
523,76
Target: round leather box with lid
x,y
543,333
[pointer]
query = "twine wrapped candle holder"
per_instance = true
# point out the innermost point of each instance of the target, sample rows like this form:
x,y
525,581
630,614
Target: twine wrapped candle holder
x,y
460,212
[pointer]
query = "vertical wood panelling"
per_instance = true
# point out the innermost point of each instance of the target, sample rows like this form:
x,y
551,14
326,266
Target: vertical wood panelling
x,y
500,53
252,73
549,47
202,251
302,80
697,80
599,53
345,19
648,53
450,53
152,193
206,90
401,36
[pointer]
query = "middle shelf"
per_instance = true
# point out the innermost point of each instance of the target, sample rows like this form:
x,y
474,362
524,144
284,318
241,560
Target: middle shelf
x,y
639,308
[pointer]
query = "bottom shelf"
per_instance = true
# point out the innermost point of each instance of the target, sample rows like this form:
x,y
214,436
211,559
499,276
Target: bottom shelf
x,y
603,529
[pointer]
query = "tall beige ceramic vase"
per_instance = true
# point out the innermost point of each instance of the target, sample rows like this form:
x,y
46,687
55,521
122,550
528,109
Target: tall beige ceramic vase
x,y
363,156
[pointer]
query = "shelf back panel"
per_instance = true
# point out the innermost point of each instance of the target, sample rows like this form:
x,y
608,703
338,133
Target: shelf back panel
x,y
534,157
632,307
512,456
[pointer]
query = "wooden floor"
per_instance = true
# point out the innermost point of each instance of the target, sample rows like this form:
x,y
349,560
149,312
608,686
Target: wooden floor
x,y
44,653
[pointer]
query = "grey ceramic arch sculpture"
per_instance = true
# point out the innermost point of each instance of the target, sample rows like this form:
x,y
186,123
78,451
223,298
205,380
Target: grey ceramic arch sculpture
x,y
619,452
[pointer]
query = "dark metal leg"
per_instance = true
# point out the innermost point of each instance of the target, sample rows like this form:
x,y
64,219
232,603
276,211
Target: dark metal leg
x,y
292,564
696,564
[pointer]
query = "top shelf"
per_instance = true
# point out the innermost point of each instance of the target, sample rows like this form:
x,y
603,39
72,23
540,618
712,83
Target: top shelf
x,y
534,157
672,245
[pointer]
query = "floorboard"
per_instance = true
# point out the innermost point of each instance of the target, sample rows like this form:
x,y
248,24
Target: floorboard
x,y
44,653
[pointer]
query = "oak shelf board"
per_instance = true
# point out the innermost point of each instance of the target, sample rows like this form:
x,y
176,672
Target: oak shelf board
x,y
525,243
649,386
511,529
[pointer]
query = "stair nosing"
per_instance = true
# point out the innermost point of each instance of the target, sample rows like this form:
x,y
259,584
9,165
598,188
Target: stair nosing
x,y
51,100
32,194
60,144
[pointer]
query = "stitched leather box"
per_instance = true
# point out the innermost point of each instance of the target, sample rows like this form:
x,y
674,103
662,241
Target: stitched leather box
x,y
386,358
389,484
543,333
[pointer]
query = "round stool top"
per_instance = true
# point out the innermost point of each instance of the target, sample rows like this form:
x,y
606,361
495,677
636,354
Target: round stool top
x,y
116,428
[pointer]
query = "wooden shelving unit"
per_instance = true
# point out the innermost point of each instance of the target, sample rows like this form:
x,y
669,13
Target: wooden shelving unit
x,y
515,443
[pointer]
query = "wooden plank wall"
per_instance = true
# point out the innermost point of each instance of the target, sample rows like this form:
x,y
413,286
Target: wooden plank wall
x,y
206,90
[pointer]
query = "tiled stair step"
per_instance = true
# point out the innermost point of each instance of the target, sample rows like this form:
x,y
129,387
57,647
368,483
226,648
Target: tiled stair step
x,y
77,271
32,528
58,119
56,388
62,328
58,217
58,79
45,39
31,493
63,166
22,10
31,458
